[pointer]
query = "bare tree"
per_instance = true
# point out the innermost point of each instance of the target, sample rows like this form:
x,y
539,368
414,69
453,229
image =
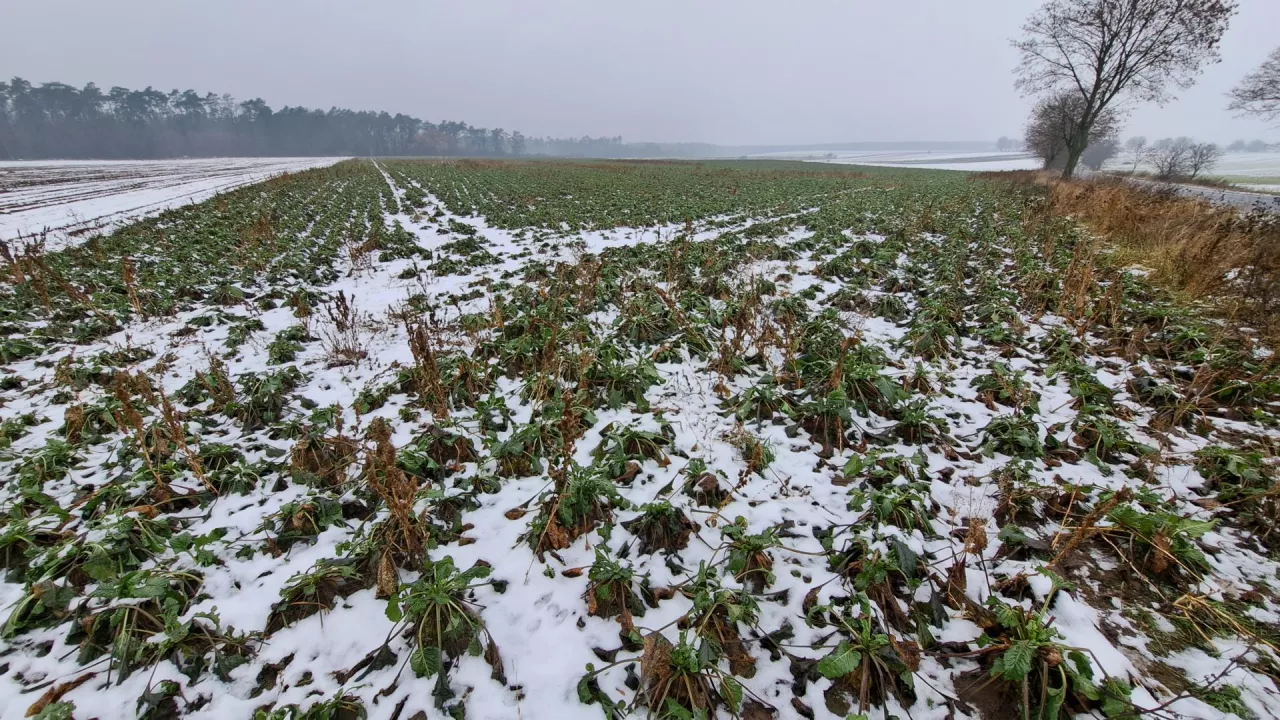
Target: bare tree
x,y
1005,144
1259,92
1045,131
1169,157
1201,157
1054,122
1136,147
1100,150
1106,51
1182,158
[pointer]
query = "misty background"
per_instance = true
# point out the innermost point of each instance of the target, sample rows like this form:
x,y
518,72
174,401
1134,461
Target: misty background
x,y
741,72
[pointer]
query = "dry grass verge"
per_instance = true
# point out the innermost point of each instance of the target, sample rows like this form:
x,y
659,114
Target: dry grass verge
x,y
1198,250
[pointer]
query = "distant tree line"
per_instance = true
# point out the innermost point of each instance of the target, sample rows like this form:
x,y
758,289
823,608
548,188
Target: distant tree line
x,y
578,147
1007,144
614,147
56,120
1253,146
1172,158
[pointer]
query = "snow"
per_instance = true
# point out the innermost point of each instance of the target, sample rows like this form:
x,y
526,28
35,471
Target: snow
x,y
969,161
539,622
1265,164
71,199
1251,171
1233,165
1260,187
983,165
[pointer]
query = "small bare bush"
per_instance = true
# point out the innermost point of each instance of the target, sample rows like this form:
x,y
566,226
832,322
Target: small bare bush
x,y
341,337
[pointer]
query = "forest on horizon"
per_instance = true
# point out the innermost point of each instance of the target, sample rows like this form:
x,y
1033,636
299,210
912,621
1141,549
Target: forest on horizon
x,y
54,120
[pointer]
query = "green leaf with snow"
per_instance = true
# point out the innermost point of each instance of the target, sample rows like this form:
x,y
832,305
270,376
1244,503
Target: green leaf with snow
x,y
425,661
732,692
394,613
1053,699
1014,663
842,661
56,711
1116,702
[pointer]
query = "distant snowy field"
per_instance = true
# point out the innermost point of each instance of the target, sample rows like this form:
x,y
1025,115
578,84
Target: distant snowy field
x,y
1254,171
971,161
1249,165
72,199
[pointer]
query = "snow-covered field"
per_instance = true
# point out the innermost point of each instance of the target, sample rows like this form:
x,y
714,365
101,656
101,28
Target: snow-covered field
x,y
1256,171
1239,167
1261,187
776,450
1251,171
70,199
972,161
1249,165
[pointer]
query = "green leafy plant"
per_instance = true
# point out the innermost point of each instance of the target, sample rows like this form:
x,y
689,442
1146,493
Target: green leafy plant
x,y
1165,540
315,590
749,559
1013,435
140,622
1027,653
716,616
286,345
621,445
906,506
682,681
867,663
879,467
612,591
760,402
302,520
916,424
1007,387
1230,469
827,417
338,707
445,625
263,398
588,499
1103,438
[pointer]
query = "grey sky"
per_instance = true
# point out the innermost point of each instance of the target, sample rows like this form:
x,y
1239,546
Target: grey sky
x,y
725,71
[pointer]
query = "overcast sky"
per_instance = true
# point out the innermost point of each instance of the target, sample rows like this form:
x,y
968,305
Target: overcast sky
x,y
724,71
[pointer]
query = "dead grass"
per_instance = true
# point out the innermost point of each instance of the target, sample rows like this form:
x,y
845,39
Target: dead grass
x,y
430,386
341,336
325,459
1199,251
404,535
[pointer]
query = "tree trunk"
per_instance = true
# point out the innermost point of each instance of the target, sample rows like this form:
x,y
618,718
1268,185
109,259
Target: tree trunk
x,y
1076,144
1074,151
